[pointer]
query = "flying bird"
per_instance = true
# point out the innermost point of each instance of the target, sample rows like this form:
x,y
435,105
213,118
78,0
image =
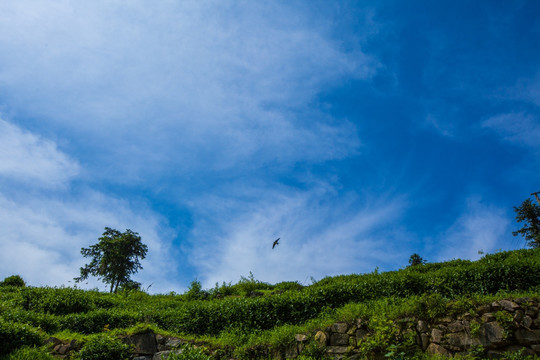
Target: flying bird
x,y
276,242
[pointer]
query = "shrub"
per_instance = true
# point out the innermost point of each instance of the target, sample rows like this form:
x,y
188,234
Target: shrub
x,y
188,352
30,353
58,301
104,347
13,280
288,285
15,335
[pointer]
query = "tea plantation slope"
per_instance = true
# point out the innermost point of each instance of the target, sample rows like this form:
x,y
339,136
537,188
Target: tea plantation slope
x,y
78,313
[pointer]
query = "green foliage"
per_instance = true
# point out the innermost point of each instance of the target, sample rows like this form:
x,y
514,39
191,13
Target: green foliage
x,y
13,280
416,260
30,353
288,286
57,300
114,258
195,291
529,213
250,325
15,335
104,347
188,352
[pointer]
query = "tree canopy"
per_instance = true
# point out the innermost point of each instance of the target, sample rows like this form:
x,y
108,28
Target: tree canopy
x,y
416,259
529,213
115,258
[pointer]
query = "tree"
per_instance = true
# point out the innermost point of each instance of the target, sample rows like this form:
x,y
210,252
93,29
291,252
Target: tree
x,y
529,214
416,259
114,258
13,280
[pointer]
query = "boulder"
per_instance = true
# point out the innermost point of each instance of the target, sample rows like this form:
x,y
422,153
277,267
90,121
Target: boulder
x,y
144,343
435,349
163,355
508,305
340,327
436,336
492,335
527,337
321,338
337,339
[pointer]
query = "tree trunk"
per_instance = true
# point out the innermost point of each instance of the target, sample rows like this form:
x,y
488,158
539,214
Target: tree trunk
x,y
112,284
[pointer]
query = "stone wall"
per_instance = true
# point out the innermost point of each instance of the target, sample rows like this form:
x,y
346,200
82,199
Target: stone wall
x,y
505,325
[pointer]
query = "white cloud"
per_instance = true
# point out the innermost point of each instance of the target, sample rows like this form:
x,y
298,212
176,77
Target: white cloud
x,y
480,228
213,84
320,236
43,231
516,128
29,158
41,238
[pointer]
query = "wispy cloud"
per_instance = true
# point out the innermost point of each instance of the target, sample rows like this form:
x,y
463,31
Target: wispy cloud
x,y
213,84
321,234
520,129
480,228
26,157
44,225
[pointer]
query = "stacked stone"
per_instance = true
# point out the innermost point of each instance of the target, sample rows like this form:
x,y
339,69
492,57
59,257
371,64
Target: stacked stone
x,y
447,336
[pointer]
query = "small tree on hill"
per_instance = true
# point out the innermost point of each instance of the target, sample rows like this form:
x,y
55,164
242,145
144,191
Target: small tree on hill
x,y
529,213
114,258
416,259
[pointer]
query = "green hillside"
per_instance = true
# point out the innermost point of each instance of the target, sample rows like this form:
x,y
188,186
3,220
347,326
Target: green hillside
x,y
251,319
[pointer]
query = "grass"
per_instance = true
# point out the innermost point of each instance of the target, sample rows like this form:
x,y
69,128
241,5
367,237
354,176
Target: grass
x,y
229,317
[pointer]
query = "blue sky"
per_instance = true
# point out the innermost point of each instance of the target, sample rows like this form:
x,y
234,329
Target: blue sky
x,y
358,132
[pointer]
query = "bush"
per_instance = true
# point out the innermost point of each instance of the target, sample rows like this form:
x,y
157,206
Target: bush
x,y
14,336
58,301
13,280
188,352
30,353
104,347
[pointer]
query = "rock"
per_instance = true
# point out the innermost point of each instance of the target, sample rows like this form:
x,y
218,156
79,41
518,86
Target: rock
x,y
532,311
422,326
63,349
536,348
436,336
459,341
456,326
488,317
435,349
321,338
527,321
160,339
144,343
527,337
518,316
142,358
492,335
337,350
173,342
482,309
424,341
164,354
508,305
340,327
301,337
337,339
